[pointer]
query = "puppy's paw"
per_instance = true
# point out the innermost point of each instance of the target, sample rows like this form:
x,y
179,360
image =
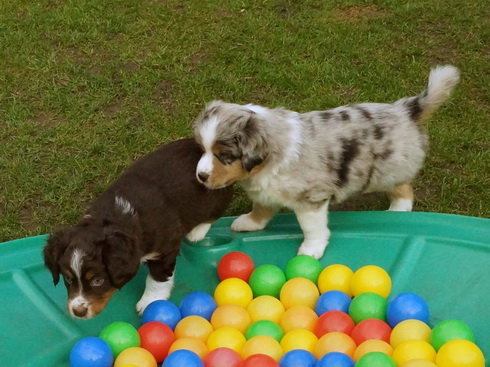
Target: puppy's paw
x,y
401,205
314,249
245,224
145,301
199,232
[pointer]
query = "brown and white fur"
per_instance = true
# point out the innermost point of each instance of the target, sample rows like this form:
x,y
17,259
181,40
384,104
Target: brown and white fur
x,y
304,161
142,217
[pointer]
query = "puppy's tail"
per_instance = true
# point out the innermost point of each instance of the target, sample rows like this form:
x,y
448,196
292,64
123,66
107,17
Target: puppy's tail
x,y
442,81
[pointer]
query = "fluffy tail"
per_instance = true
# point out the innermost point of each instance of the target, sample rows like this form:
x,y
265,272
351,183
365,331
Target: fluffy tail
x,y
442,81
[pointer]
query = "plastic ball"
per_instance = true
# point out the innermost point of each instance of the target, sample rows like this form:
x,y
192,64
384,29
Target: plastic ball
x,y
335,342
414,349
460,353
267,280
377,359
235,264
371,279
162,311
135,356
222,357
197,304
303,266
333,301
181,358
298,358
335,359
371,329
368,306
259,360
265,308
265,327
120,335
418,363
188,343
407,306
262,344
333,321
298,317
233,291
335,277
231,315
156,337
372,345
409,330
448,330
91,352
227,337
299,339
299,292
193,327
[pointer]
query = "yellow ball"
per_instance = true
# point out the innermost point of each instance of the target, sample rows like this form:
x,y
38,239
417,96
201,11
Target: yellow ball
x,y
372,345
409,330
371,279
231,315
299,339
299,292
334,342
418,363
193,327
460,353
413,349
298,317
233,291
335,278
265,308
262,344
193,344
135,356
227,337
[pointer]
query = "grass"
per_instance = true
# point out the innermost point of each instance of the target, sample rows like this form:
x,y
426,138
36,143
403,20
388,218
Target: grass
x,y
87,86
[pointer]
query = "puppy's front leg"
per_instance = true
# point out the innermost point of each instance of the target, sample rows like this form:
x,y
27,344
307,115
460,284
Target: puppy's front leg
x,y
313,222
256,220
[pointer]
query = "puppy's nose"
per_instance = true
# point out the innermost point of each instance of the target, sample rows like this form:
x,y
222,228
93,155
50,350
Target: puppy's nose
x,y
80,311
202,176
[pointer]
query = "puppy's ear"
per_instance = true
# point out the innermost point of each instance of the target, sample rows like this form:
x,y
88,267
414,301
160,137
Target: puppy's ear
x,y
52,252
121,257
252,143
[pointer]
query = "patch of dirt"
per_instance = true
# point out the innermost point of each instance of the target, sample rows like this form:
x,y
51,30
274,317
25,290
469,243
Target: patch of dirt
x,y
46,120
371,201
163,90
355,14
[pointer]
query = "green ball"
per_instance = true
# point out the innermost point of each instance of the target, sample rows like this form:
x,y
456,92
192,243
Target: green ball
x,y
267,280
368,306
448,330
120,336
264,327
303,266
377,359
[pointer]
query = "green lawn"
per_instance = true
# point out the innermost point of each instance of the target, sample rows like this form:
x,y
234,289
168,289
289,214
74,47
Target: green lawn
x,y
87,86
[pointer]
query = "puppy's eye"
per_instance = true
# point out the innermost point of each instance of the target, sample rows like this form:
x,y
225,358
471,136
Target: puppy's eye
x,y
97,282
226,158
68,280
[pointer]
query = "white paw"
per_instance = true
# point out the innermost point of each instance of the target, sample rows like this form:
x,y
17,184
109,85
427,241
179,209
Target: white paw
x,y
154,291
314,249
401,205
245,224
199,232
145,301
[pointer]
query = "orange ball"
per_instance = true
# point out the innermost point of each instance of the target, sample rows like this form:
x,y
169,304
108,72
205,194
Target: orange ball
x,y
298,317
335,277
193,327
262,344
233,291
231,315
226,337
265,308
299,339
193,344
299,292
372,345
335,342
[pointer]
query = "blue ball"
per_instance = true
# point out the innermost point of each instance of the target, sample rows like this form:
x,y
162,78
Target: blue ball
x,y
335,359
183,357
332,301
163,311
298,358
407,306
91,352
198,304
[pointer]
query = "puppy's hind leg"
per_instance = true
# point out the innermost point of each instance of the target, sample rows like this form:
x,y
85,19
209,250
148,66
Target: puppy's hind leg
x,y
256,220
198,232
401,198
313,222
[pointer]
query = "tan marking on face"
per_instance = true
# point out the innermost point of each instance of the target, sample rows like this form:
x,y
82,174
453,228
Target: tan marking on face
x,y
89,275
99,303
403,191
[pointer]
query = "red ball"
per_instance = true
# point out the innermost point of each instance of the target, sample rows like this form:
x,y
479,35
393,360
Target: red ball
x,y
371,329
235,264
221,357
333,321
259,360
156,337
